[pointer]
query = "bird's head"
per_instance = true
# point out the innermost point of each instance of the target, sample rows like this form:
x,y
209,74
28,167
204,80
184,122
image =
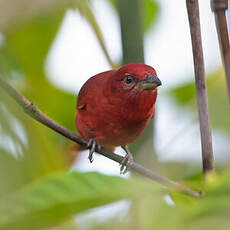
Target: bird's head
x,y
134,79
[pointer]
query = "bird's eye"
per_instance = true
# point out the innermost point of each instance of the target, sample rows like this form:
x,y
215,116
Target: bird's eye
x,y
128,79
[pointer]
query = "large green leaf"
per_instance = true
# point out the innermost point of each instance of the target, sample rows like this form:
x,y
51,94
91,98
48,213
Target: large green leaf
x,y
56,197
183,212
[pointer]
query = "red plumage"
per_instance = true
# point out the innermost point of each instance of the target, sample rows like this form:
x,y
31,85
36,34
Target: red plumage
x,y
115,106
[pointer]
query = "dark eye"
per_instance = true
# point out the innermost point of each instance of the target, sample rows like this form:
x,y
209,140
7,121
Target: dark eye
x,y
128,79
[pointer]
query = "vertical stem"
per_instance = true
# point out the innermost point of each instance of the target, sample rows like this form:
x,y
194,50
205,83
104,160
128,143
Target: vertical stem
x,y
201,95
133,51
131,30
219,7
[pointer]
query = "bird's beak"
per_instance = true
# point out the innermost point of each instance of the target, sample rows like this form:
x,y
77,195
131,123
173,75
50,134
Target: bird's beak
x,y
151,82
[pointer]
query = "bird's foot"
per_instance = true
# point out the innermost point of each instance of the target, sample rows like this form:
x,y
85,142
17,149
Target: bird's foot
x,y
92,146
126,162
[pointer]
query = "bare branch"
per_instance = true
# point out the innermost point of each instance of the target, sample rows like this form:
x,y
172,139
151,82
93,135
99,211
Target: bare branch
x,y
219,7
35,113
201,95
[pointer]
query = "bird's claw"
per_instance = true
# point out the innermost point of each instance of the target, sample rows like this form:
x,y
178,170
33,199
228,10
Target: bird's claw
x,y
92,146
126,163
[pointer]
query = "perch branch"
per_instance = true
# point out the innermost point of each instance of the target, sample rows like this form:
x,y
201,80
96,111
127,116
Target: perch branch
x,y
35,113
219,8
201,95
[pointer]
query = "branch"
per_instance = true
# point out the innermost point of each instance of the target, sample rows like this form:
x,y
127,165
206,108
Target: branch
x,y
201,95
35,113
219,7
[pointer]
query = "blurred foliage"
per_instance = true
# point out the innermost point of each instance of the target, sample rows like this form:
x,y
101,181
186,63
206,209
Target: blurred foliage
x,y
30,153
35,193
150,12
30,44
59,196
21,11
185,96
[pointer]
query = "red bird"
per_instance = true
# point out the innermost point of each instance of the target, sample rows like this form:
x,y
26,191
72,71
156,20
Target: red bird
x,y
115,106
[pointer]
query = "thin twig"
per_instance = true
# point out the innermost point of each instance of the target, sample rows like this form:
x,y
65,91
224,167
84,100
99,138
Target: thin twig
x,y
219,7
85,9
201,95
35,113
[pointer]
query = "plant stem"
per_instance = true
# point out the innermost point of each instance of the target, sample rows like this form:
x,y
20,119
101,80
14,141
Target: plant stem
x,y
131,30
219,7
85,9
35,113
201,95
132,45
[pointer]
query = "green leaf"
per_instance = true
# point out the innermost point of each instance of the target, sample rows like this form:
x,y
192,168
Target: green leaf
x,y
57,197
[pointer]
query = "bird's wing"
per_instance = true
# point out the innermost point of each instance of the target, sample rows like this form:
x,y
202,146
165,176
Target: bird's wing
x,y
91,91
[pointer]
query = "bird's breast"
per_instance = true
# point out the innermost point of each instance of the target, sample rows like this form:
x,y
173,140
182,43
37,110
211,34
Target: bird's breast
x,y
115,122
131,119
